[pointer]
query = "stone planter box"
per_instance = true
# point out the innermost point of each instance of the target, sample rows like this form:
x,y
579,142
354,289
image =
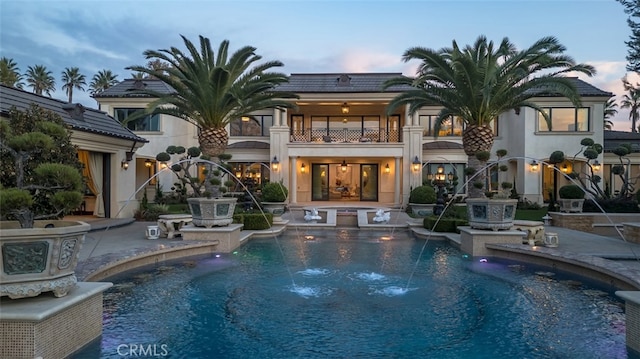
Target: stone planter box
x,y
494,214
422,209
40,259
571,205
275,208
212,212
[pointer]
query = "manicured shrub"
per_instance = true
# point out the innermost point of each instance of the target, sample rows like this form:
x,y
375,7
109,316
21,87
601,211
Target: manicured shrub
x,y
423,195
254,221
449,225
274,192
571,191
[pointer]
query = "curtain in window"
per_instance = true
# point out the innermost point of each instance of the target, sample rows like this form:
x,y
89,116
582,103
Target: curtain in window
x,y
83,156
95,168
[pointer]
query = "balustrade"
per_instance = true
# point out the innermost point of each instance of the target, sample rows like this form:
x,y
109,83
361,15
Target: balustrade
x,y
345,135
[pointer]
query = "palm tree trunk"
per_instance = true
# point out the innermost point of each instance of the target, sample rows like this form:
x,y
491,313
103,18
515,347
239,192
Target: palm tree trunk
x,y
213,142
479,176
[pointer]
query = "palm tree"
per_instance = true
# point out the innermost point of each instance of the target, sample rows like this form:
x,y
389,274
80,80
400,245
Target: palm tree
x,y
102,81
609,111
211,91
477,83
72,78
631,100
10,73
40,80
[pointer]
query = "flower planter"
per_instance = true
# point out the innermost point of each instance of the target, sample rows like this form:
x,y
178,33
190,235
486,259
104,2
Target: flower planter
x,y
571,205
212,212
422,209
39,259
275,208
494,214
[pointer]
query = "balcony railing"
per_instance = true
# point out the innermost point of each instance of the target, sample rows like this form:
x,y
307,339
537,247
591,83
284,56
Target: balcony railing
x,y
345,135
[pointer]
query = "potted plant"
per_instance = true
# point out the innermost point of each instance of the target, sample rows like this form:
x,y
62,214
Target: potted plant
x,y
211,91
571,198
422,200
495,212
273,198
41,182
188,167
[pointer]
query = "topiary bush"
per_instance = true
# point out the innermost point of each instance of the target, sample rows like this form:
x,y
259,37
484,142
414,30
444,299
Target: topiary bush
x,y
423,195
444,225
274,192
254,221
571,191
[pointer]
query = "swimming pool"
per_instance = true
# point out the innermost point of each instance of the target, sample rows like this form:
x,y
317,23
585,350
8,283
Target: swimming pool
x,y
347,294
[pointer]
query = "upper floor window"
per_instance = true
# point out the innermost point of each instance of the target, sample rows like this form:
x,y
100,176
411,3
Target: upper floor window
x,y
146,123
254,125
453,126
565,119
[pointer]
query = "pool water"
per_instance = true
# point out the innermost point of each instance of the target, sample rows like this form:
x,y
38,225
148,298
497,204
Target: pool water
x,y
355,294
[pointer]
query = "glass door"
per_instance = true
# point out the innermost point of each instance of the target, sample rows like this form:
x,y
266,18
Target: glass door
x,y
369,182
319,182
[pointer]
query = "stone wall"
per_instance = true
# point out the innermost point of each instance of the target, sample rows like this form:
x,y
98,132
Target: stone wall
x,y
632,232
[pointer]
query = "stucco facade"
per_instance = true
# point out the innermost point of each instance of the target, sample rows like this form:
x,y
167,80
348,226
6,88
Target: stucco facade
x,y
340,145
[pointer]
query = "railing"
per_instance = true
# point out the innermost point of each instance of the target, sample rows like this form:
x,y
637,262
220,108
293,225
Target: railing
x,y
345,135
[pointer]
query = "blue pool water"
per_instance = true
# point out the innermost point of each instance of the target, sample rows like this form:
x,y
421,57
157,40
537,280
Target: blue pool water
x,y
346,294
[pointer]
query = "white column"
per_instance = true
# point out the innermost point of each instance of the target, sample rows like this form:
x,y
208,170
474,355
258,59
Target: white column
x,y
293,189
397,182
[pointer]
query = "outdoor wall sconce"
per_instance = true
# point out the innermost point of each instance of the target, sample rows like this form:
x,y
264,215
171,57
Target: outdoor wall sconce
x,y
416,164
275,164
124,164
450,176
148,163
302,168
345,108
387,169
343,166
596,165
163,165
565,169
534,166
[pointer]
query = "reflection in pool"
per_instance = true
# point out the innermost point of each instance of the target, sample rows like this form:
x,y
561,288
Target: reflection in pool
x,y
346,295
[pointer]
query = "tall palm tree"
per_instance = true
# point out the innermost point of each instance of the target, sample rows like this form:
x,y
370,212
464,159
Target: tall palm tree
x,y
40,80
211,91
10,73
477,83
609,111
72,78
631,100
102,81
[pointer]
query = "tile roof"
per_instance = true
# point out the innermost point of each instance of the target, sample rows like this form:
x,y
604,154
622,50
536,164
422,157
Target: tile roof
x,y
93,121
318,83
127,88
585,89
613,139
339,83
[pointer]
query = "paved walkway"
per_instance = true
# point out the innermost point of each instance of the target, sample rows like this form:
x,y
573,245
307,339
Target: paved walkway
x,y
116,239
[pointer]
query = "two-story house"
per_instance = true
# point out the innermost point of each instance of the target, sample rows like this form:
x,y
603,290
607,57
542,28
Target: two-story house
x,y
339,145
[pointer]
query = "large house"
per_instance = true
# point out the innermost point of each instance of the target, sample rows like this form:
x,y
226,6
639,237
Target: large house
x,y
104,146
340,145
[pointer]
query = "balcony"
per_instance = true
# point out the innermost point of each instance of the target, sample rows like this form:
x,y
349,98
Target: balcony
x,y
345,135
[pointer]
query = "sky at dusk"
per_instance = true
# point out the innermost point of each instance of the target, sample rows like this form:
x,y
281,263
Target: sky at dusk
x,y
307,36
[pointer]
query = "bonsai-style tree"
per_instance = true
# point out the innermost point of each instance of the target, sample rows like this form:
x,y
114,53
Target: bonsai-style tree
x,y
210,91
186,170
40,173
587,177
478,83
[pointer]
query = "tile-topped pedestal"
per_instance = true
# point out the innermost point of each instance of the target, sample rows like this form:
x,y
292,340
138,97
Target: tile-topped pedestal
x,y
472,241
227,236
50,327
632,318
